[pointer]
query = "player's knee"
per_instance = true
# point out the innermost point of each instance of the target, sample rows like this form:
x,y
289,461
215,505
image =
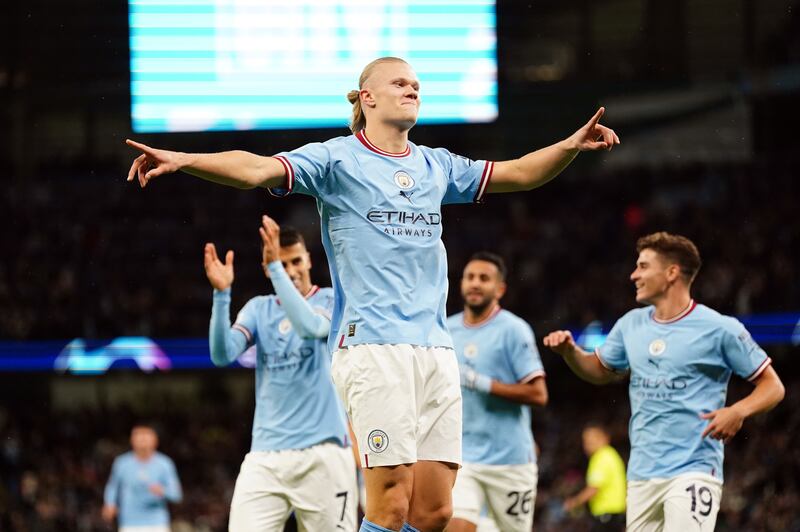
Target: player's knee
x,y
441,517
433,519
392,516
392,510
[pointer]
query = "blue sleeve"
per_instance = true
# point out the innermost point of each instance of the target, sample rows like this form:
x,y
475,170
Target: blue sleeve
x,y
526,363
111,493
172,489
466,179
226,343
306,322
306,169
741,353
612,353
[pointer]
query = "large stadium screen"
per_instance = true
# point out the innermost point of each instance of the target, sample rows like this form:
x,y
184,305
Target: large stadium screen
x,y
202,65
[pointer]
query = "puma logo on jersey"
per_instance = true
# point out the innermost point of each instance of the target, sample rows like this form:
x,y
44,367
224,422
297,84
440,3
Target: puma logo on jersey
x,y
406,195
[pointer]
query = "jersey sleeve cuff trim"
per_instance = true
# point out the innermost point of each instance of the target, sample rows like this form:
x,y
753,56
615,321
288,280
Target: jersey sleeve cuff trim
x,y
488,169
242,329
287,167
604,363
530,377
760,369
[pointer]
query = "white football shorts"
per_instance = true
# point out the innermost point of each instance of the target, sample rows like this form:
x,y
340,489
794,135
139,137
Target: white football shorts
x,y
680,504
404,402
317,483
508,491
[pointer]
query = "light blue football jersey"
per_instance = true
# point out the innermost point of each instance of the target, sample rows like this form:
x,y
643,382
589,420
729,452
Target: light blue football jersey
x,y
296,403
496,431
128,489
381,228
679,369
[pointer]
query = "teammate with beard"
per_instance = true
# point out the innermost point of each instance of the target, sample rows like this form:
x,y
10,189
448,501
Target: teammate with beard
x,y
501,377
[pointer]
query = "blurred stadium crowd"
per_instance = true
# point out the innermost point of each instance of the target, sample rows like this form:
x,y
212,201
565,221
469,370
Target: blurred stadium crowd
x,y
54,465
131,264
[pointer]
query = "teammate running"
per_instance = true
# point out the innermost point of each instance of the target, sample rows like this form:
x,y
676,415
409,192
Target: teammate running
x,y
680,356
141,484
501,376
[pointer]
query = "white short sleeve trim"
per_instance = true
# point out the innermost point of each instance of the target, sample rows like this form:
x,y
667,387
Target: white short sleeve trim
x,y
604,364
530,377
760,369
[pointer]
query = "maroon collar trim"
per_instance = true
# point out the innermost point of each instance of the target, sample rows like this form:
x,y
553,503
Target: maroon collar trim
x,y
682,314
362,136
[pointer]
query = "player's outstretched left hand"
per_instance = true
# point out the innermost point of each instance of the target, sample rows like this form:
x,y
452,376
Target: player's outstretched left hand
x,y
724,425
594,136
152,163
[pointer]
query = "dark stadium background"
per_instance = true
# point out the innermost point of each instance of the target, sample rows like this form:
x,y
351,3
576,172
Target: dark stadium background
x,y
705,95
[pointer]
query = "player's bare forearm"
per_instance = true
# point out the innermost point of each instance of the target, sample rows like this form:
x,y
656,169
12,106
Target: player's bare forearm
x,y
588,367
539,167
585,365
529,393
768,392
534,169
725,422
238,169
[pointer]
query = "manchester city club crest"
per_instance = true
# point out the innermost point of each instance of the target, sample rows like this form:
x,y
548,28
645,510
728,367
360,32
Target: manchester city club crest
x,y
657,347
377,441
403,180
284,326
470,351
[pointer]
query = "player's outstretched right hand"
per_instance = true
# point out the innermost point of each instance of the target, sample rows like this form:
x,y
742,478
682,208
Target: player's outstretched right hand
x,y
561,342
219,275
152,162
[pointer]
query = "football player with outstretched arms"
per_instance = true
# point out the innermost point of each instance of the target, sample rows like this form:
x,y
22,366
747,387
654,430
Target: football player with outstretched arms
x,y
379,197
